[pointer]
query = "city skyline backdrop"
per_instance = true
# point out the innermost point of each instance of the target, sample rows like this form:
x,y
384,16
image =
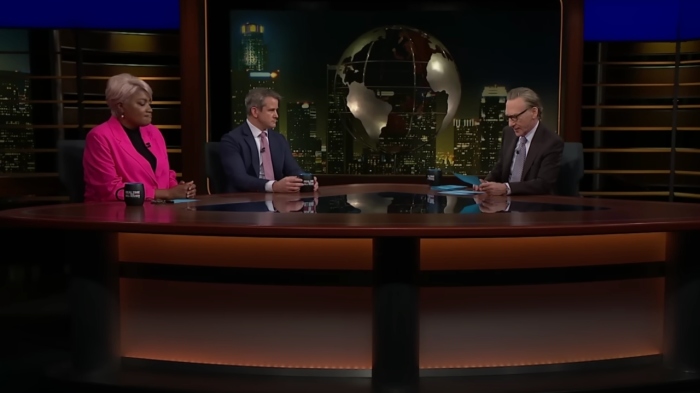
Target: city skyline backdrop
x,y
491,46
15,113
14,40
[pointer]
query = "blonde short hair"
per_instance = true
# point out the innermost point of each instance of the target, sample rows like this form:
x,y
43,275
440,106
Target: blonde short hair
x,y
120,88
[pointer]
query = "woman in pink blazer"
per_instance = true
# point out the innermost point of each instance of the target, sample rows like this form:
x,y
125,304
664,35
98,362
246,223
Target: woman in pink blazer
x,y
127,148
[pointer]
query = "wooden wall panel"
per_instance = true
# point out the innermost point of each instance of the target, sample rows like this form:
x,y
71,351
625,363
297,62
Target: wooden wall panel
x,y
69,72
142,70
572,72
641,120
194,95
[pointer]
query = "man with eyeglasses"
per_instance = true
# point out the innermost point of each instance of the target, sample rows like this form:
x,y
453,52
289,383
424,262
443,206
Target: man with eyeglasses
x,y
530,156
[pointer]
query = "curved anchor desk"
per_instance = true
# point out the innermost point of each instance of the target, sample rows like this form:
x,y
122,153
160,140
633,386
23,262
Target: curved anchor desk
x,y
384,288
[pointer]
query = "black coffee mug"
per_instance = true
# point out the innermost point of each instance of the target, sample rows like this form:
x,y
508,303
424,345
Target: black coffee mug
x,y
134,194
308,182
434,177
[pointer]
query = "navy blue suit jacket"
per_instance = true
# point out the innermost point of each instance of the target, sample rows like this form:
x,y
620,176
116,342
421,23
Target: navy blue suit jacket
x,y
241,164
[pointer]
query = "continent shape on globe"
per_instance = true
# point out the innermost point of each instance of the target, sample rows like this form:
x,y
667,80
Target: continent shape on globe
x,y
391,77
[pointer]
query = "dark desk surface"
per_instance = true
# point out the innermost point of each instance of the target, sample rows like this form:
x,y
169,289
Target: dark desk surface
x,y
368,210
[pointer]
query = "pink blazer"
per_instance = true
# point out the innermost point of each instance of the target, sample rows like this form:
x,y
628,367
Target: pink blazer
x,y
110,160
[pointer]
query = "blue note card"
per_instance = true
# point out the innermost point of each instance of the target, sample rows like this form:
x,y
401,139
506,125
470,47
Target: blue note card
x,y
473,180
184,200
447,187
461,192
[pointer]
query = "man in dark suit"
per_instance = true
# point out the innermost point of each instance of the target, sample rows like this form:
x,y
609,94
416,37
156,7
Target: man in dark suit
x,y
530,154
254,156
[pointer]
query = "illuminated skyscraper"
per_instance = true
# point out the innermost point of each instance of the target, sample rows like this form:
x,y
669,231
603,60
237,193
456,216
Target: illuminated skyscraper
x,y
301,133
301,122
340,142
493,119
426,131
252,55
16,130
417,148
467,146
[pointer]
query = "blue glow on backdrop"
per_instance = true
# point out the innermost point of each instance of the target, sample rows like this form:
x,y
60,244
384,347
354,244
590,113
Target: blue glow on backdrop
x,y
91,14
641,20
605,20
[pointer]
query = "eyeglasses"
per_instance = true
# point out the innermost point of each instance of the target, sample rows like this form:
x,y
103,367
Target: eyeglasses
x,y
515,117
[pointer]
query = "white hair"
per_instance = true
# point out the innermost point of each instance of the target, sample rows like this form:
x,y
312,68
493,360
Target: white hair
x,y
120,88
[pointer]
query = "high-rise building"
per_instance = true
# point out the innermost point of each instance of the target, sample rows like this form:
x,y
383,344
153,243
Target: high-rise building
x,y
301,116
467,146
252,55
250,71
493,119
356,165
417,146
426,131
301,131
16,130
338,140
373,163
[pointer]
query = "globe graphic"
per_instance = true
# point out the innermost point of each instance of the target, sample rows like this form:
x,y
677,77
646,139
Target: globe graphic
x,y
396,88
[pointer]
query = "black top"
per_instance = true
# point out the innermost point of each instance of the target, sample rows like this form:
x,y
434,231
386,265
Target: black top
x,y
136,140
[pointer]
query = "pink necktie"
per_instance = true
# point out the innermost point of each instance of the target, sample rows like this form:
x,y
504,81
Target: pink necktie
x,y
265,155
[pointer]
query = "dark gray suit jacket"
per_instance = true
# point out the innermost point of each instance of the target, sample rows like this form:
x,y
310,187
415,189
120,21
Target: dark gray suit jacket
x,y
241,162
542,164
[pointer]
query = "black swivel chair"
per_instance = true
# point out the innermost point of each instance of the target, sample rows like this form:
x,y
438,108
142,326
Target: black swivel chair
x,y
571,170
215,172
70,168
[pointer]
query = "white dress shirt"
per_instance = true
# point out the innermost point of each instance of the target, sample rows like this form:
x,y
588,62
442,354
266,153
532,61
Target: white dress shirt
x,y
256,135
